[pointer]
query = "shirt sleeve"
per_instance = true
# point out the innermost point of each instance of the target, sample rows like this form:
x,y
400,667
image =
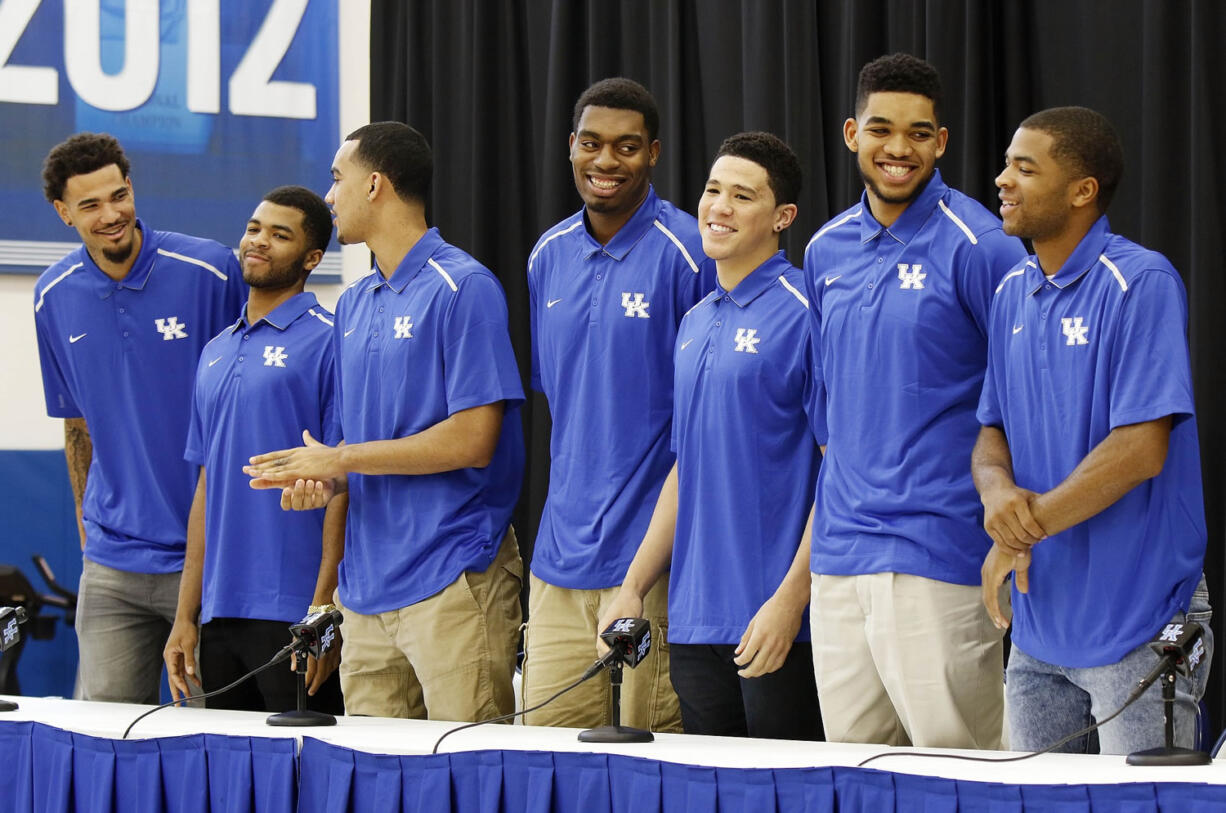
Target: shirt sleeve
x,y
1150,369
194,450
329,415
56,392
478,363
815,395
986,263
988,412
533,317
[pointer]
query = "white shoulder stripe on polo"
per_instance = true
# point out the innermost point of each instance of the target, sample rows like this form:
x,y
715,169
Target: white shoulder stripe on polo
x,y
679,245
1118,276
833,225
795,292
443,274
1031,263
193,261
1010,276
359,279
551,238
957,222
43,293
320,316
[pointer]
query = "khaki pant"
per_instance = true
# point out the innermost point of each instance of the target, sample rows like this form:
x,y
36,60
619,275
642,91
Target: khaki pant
x,y
904,660
560,644
448,657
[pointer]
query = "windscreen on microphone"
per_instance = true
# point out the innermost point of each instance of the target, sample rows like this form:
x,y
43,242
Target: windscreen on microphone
x,y
317,632
630,638
10,617
1183,643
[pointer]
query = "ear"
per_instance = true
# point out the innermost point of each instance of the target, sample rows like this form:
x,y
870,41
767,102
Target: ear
x,y
942,141
570,145
312,259
654,151
61,209
850,130
784,215
1083,192
377,182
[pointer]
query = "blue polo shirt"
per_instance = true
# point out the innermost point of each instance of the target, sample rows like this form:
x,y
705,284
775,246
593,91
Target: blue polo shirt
x,y
747,458
257,387
901,322
604,321
1101,344
412,350
122,355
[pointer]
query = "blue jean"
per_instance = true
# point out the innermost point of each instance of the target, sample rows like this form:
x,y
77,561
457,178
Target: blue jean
x,y
1046,702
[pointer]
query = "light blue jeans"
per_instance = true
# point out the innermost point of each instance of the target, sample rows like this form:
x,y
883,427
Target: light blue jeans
x,y
1046,702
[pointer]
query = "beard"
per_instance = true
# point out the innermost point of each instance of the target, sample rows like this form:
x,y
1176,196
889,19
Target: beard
x,y
277,277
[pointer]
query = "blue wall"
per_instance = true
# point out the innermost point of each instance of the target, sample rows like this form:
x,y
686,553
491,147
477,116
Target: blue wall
x,y
37,511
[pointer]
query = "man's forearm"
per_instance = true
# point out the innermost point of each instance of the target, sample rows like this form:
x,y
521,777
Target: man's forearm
x,y
1127,457
655,552
464,440
191,581
333,547
991,461
79,453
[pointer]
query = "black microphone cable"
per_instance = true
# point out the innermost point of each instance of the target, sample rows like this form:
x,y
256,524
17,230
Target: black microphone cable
x,y
1132,698
280,657
510,716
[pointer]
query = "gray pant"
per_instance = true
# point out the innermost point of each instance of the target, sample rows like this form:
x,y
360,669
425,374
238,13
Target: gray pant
x,y
123,621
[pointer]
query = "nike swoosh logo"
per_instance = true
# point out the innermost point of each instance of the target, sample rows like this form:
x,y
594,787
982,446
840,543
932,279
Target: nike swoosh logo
x,y
1017,329
347,332
75,339
686,343
214,361
830,280
553,302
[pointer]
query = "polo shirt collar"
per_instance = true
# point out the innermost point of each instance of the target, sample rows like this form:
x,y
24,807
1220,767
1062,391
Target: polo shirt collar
x,y
1079,263
759,279
634,229
284,314
413,262
913,217
138,274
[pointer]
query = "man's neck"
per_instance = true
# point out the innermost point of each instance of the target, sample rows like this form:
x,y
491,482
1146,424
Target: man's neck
x,y
263,301
604,227
392,244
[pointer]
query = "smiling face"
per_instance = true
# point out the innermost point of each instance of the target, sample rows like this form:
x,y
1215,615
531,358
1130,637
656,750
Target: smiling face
x,y
897,143
612,156
1036,192
101,207
273,251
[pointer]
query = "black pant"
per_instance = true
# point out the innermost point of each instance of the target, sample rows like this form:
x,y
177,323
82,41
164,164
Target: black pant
x,y
232,647
715,700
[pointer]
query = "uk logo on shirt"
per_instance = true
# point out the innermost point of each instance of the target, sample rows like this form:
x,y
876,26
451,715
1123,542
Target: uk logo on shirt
x,y
746,340
404,327
171,328
635,307
911,277
274,356
1074,330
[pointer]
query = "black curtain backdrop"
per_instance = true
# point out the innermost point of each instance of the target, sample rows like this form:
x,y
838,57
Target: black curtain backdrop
x,y
492,83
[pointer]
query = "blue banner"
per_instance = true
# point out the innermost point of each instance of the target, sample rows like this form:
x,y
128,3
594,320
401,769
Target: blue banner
x,y
215,102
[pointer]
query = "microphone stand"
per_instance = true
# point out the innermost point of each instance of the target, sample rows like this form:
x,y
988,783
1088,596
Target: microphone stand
x,y
1169,754
615,732
301,716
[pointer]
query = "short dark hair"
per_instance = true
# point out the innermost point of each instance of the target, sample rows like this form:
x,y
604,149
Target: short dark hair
x,y
1084,141
399,152
768,151
316,219
620,93
80,154
899,73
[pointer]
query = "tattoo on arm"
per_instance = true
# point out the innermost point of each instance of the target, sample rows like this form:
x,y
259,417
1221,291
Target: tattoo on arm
x,y
79,451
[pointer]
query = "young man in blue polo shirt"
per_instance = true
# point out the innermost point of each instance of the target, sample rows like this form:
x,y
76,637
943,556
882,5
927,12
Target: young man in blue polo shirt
x,y
1087,462
428,395
731,518
121,321
251,569
900,286
607,288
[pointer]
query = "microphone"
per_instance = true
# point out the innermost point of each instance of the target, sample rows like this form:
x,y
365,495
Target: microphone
x,y
10,618
1179,646
629,641
317,632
